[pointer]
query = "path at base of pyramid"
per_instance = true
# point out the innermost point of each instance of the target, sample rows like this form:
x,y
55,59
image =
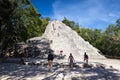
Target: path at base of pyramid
x,y
107,69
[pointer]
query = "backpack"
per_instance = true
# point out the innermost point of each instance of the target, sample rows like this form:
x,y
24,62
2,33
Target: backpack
x,y
50,57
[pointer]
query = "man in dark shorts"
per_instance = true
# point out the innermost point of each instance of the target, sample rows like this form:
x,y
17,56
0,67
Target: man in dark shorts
x,y
50,61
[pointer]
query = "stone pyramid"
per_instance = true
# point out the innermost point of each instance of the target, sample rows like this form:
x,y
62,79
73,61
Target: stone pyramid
x,y
62,37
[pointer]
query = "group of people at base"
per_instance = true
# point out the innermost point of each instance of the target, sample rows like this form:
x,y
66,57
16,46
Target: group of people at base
x,y
70,59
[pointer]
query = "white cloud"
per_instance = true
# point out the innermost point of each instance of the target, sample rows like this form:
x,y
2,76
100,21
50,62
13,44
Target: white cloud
x,y
86,13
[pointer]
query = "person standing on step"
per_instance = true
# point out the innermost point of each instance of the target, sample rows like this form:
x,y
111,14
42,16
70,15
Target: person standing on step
x,y
71,60
85,58
61,53
50,60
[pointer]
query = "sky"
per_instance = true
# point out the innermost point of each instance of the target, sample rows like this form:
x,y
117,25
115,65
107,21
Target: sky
x,y
94,14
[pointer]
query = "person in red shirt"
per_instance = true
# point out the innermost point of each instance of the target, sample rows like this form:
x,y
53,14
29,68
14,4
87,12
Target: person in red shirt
x,y
61,52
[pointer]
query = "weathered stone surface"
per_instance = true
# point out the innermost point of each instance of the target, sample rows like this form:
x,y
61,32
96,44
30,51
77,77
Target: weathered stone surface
x,y
62,37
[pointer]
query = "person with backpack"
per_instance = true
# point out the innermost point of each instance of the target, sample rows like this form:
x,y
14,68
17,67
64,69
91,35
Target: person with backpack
x,y
85,58
71,60
50,60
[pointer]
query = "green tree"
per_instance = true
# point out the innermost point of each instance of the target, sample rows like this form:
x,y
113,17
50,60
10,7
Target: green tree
x,y
71,24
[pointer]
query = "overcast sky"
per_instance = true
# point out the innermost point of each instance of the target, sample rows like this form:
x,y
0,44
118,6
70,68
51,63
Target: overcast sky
x,y
96,14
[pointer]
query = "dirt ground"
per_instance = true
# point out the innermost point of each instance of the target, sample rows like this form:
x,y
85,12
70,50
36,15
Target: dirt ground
x,y
110,70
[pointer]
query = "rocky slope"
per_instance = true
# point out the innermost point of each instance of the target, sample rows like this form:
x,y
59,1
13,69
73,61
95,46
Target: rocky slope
x,y
62,37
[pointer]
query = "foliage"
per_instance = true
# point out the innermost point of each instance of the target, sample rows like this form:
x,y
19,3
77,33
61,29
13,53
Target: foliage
x,y
71,24
19,20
